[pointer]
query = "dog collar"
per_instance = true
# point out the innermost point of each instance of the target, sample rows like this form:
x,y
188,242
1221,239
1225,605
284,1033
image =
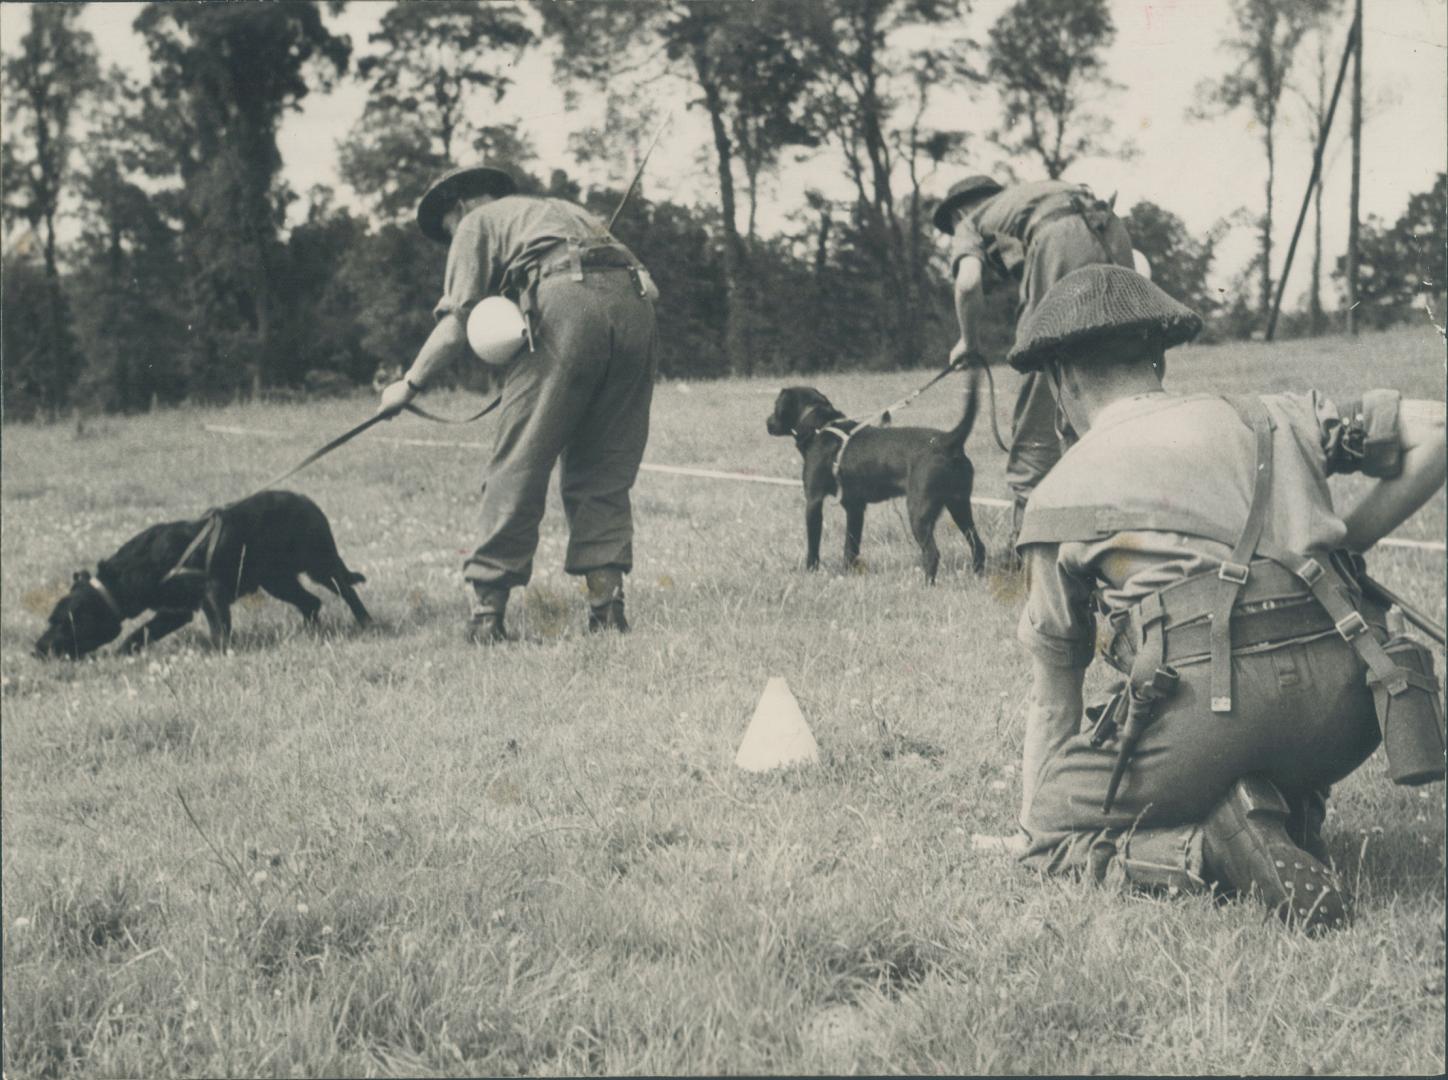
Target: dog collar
x,y
105,594
805,416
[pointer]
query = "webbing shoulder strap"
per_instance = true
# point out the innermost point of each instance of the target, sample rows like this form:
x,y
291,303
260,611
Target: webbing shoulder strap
x,y
1235,570
1328,588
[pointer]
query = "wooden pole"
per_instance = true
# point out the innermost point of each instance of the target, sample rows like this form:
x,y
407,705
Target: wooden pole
x,y
1357,146
1313,180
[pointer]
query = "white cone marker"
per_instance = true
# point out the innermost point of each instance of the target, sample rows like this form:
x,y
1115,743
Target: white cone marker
x,y
778,734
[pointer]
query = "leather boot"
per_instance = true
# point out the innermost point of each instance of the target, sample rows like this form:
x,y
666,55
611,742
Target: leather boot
x,y
605,600
1246,847
1304,823
485,620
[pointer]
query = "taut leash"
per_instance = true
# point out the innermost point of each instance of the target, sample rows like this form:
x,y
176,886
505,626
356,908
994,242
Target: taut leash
x,y
210,532
870,419
349,435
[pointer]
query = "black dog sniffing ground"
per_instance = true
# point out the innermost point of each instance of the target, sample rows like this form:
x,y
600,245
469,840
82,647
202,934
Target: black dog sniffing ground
x,y
262,542
926,465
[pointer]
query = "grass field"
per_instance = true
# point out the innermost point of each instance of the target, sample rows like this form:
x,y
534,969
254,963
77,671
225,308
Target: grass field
x,y
385,852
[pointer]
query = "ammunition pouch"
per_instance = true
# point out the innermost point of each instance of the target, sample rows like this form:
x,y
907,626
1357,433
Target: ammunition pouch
x,y
1410,713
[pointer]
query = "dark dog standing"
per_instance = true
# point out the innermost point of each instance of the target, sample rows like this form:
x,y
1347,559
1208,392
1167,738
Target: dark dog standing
x,y
926,465
264,541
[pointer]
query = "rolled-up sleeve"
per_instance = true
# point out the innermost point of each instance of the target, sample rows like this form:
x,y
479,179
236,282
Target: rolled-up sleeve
x,y
966,240
1057,624
469,269
1361,435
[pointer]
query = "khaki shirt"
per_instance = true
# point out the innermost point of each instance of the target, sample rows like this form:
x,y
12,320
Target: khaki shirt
x,y
1193,451
995,230
504,235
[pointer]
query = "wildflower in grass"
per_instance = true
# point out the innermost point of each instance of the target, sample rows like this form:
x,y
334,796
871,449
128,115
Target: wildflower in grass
x,y
21,923
258,877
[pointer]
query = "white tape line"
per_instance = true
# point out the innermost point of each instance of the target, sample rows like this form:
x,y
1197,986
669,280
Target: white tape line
x,y
715,474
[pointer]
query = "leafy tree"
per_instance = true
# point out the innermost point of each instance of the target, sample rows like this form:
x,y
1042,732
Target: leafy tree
x,y
222,77
1263,48
749,64
1179,262
127,277
322,329
1046,57
432,62
1399,263
45,82
862,84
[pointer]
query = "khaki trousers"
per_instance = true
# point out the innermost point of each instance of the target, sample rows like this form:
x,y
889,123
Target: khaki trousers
x,y
1055,250
584,397
1302,715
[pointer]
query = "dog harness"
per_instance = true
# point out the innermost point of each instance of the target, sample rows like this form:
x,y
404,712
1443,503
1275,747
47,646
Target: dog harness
x,y
844,437
209,535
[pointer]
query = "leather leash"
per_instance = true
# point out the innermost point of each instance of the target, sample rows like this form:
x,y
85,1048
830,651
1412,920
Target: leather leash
x,y
210,532
869,419
352,433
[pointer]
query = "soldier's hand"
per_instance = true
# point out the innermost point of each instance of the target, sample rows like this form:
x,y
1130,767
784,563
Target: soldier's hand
x,y
395,398
958,352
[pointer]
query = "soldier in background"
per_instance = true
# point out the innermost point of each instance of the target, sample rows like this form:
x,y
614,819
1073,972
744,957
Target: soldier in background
x,y
1035,233
1202,529
581,391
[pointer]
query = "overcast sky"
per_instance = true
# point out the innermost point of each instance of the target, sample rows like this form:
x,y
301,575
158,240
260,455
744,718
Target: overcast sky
x,y
1200,170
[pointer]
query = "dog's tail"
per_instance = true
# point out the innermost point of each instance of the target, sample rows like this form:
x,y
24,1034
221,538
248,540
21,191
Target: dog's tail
x,y
953,441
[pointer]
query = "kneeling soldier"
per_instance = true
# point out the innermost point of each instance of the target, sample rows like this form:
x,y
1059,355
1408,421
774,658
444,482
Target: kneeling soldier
x,y
581,390
1201,528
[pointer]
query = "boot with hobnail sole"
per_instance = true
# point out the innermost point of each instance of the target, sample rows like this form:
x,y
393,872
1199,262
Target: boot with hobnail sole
x,y
1246,848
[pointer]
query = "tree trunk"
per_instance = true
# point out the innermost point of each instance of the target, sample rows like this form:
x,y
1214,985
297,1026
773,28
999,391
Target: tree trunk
x,y
1357,140
821,260
1267,227
736,350
1314,299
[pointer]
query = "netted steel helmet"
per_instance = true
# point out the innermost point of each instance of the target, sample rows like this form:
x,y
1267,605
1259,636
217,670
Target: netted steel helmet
x,y
1095,305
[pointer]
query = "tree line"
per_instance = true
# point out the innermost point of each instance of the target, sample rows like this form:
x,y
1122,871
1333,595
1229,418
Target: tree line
x,y
179,279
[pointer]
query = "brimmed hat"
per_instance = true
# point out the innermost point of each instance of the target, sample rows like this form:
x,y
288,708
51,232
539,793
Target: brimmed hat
x,y
1096,304
455,184
963,191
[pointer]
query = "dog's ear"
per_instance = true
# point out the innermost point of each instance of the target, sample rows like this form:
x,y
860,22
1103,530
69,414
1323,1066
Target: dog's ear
x,y
885,418
79,576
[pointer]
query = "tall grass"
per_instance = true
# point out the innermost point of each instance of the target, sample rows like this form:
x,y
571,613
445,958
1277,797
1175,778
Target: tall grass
x,y
345,853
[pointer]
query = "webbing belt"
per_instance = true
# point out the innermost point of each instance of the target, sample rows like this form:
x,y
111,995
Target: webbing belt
x,y
1148,617
1273,606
